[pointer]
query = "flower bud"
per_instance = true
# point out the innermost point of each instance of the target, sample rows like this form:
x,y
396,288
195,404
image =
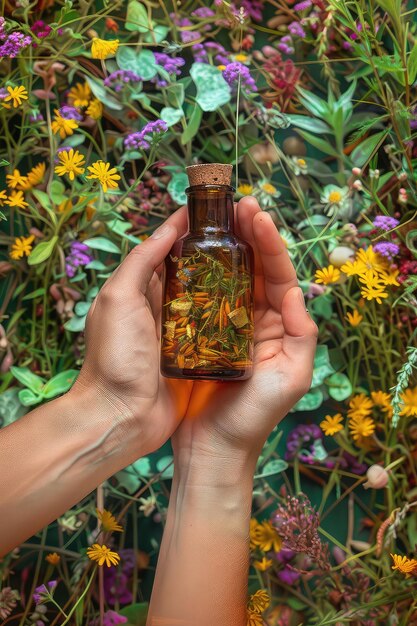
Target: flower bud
x,y
377,477
341,255
357,184
356,171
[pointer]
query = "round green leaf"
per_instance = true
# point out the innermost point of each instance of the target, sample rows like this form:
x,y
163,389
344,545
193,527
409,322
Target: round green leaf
x,y
212,89
177,186
102,243
146,65
137,17
340,387
171,116
166,466
311,401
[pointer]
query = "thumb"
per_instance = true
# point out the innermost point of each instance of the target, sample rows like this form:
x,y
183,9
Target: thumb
x,y
141,262
300,336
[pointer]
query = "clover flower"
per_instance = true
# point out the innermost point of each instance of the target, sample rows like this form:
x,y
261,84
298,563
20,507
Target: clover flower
x,y
150,134
77,257
231,75
385,222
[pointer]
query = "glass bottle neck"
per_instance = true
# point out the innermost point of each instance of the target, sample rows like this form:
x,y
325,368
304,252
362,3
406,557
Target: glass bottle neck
x,y
210,208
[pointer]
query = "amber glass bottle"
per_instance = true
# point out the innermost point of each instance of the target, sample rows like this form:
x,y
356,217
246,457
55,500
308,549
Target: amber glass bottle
x,y
207,316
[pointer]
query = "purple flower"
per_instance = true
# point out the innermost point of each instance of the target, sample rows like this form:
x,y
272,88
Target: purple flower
x,y
385,222
288,575
303,5
203,12
116,80
189,35
285,45
77,257
170,64
305,442
150,134
43,593
295,28
111,618
386,248
41,29
13,44
116,587
231,76
70,113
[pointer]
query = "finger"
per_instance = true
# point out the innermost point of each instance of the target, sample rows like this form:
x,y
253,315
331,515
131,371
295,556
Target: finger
x,y
278,271
138,267
300,335
246,210
154,297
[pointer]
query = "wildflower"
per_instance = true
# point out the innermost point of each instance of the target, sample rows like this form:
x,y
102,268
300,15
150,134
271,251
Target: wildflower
x,y
359,405
263,564
71,164
43,593
35,176
354,318
117,79
353,268
327,275
303,5
371,292
254,619
404,565
389,278
13,44
387,249
63,125
80,94
106,177
385,222
289,240
78,256
148,505
16,179
335,198
296,29
103,554
70,113
231,75
382,400
203,12
259,601
253,525
22,246
16,199
108,521
409,399
241,58
245,190
377,477
361,427
298,165
17,94
266,537
101,49
168,63
332,424
3,196
8,601
268,188
53,558
372,260
305,442
149,135
95,109
41,29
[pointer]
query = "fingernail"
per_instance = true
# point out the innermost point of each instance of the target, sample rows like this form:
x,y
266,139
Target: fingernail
x,y
161,231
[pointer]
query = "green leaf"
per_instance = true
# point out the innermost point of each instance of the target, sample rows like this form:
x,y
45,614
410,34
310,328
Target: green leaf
x,y
34,294
59,384
101,94
146,65
75,324
126,58
135,613
81,308
175,94
412,65
28,398
322,367
309,123
411,241
166,466
42,251
171,116
137,17
177,186
157,34
27,378
310,401
340,386
57,189
10,406
212,90
120,227
43,198
364,151
320,144
96,265
102,243
73,141
142,467
275,466
193,125
313,104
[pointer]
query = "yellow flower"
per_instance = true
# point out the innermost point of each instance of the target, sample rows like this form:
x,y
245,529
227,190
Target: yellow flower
x,y
372,260
101,49
16,179
258,601
359,405
3,197
404,565
382,400
253,525
63,126
22,246
245,190
361,427
106,177
71,163
36,174
102,554
266,537
16,199
108,521
327,275
80,95
409,397
95,109
390,278
263,564
332,424
374,293
17,94
268,188
353,268
354,318
335,197
241,58
53,558
221,67
254,619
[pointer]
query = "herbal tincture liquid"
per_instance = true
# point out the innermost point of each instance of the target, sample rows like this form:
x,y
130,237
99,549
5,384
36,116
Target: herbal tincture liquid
x,y
207,316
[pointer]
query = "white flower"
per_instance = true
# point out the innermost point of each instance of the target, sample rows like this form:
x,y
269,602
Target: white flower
x,y
298,165
148,505
289,241
335,198
266,192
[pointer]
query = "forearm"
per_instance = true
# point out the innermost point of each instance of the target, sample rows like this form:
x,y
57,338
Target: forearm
x,y
202,572
53,457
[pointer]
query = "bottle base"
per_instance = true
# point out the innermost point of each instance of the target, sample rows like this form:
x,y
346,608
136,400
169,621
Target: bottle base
x,y
221,375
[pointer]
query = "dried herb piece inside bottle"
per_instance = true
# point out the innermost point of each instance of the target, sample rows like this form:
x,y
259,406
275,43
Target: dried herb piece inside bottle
x,y
207,317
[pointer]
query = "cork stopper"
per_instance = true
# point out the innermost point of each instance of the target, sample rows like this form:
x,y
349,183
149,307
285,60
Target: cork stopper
x,y
209,174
